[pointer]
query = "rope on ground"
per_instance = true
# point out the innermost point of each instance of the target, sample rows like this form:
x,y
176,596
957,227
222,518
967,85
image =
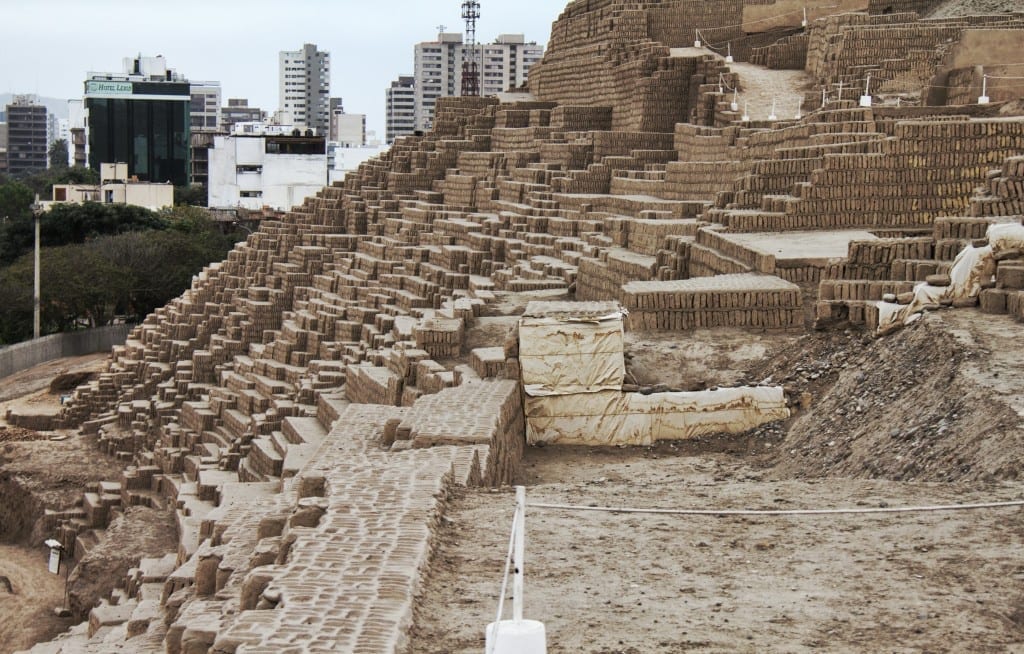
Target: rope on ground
x,y
781,512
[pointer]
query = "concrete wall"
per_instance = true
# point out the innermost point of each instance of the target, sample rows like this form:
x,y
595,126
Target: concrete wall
x,y
23,356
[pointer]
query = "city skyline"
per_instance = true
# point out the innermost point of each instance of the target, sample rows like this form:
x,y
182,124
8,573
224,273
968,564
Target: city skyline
x,y
240,47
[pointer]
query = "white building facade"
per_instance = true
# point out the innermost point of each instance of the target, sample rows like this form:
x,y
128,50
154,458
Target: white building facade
x,y
504,65
205,107
400,108
305,87
266,166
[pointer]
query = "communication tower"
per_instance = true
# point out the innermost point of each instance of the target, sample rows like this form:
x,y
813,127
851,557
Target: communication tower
x,y
470,67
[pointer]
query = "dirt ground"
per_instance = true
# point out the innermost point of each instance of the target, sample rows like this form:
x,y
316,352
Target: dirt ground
x,y
37,472
932,415
608,583
955,8
26,616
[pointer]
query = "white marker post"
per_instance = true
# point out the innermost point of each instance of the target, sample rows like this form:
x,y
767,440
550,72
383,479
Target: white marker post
x,y
520,555
865,100
696,38
517,636
984,99
56,554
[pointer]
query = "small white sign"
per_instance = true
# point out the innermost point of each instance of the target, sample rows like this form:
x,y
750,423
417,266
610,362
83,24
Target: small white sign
x,y
55,561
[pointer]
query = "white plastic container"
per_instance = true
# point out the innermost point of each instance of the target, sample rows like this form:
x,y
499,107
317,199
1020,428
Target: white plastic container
x,y
516,637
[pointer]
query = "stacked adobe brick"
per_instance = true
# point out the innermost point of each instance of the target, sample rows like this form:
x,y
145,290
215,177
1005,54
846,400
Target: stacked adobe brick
x,y
894,266
302,405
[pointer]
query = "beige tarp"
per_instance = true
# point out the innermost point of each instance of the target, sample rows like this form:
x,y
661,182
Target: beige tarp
x,y
615,418
972,267
566,356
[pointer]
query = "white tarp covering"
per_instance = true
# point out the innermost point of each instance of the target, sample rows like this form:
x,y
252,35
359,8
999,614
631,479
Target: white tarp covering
x,y
972,267
615,418
1006,236
565,356
969,270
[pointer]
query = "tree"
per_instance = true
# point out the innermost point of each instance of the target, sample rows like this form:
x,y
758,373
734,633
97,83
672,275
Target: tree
x,y
195,195
66,224
15,201
59,154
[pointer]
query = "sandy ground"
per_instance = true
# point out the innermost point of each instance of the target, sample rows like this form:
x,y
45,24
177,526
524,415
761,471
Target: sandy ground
x,y
929,416
27,392
608,583
27,616
33,474
760,87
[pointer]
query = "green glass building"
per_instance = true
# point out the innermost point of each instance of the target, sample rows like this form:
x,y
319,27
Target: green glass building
x,y
145,124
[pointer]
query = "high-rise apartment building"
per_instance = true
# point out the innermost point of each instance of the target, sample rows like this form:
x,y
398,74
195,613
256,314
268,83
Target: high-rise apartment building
x,y
504,65
141,117
27,136
305,85
400,108
3,144
205,106
237,111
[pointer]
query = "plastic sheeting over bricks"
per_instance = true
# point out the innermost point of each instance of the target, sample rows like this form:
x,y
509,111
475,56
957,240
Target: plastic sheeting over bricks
x,y
569,348
971,269
615,418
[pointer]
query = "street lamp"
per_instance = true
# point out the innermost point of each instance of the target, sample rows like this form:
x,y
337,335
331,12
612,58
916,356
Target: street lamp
x,y
37,211
239,225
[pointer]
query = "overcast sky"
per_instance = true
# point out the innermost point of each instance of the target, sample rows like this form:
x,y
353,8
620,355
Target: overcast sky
x,y
48,46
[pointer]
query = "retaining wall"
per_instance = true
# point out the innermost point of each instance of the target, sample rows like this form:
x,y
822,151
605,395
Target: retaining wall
x,y
23,356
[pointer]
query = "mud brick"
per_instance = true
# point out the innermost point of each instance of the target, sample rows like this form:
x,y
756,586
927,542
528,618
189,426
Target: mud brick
x,y
1010,275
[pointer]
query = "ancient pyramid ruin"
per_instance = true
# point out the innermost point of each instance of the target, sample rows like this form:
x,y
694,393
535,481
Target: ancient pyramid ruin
x,y
308,404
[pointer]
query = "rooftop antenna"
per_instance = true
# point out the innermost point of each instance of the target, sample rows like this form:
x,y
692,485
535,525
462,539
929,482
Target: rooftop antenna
x,y
441,28
470,69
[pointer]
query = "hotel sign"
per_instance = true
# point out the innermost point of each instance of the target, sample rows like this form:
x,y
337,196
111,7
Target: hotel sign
x,y
108,88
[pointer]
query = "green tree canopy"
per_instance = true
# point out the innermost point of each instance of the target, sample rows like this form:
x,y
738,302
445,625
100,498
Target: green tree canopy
x,y
59,154
106,275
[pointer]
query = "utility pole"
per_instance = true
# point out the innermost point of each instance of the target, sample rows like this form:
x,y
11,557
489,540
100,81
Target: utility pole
x,y
36,215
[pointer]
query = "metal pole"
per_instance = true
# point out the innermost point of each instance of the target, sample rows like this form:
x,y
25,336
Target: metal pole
x,y
67,580
35,287
520,554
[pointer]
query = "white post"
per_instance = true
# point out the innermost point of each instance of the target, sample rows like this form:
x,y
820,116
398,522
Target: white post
x,y
35,284
984,99
728,56
735,104
772,116
804,23
520,555
696,38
